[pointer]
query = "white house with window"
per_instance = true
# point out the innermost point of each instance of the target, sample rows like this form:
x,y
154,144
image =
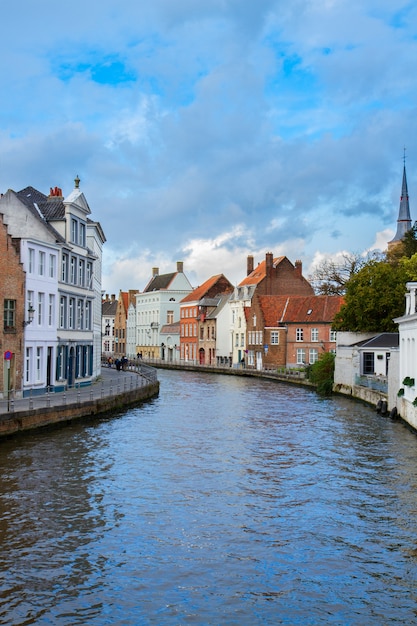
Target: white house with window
x,y
62,285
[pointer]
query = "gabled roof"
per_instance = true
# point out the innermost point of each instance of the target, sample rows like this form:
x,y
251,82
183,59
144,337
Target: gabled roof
x,y
383,340
259,273
279,310
50,208
109,308
199,292
159,282
42,207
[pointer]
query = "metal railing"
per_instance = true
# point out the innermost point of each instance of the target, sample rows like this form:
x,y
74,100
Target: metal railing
x,y
109,384
377,383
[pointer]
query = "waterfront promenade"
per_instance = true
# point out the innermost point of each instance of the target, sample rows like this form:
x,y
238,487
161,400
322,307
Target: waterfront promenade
x,y
112,390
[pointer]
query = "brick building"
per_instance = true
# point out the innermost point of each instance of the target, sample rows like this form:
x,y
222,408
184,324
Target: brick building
x,y
193,310
290,331
13,313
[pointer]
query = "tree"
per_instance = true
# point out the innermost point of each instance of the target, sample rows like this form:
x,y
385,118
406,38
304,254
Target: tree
x,y
321,374
375,295
407,247
331,276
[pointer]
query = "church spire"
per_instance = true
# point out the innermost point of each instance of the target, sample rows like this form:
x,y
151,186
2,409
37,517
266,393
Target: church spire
x,y
404,219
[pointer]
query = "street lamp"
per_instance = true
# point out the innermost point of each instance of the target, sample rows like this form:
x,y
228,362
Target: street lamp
x,y
31,315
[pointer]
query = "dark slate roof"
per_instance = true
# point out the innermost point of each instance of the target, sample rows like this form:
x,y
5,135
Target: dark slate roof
x,y
50,208
159,282
42,207
109,308
383,340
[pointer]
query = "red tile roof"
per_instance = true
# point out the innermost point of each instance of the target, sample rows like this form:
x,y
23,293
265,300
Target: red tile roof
x,y
200,292
287,309
259,273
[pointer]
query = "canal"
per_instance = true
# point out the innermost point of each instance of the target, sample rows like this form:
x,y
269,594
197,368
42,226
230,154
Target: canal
x,y
223,501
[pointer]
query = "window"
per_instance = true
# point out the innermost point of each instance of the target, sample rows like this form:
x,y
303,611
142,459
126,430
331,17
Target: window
x,y
81,272
51,266
41,298
89,275
63,312
27,364
237,340
38,364
274,337
170,317
51,310
73,276
332,335
301,356
299,334
201,332
30,300
74,231
242,340
314,334
88,315
64,272
368,363
82,234
254,320
31,260
41,266
9,315
71,313
251,358
80,315
313,355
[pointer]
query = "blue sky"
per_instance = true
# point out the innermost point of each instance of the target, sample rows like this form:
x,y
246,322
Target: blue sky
x,y
204,132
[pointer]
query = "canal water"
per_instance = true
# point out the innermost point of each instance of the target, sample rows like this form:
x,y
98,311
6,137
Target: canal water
x,y
223,501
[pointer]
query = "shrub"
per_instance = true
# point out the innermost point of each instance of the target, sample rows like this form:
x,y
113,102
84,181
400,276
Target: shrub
x,y
321,374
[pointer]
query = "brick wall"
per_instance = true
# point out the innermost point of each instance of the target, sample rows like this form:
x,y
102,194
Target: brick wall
x,y
12,287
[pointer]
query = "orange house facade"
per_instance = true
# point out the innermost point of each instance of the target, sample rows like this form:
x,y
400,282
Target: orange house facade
x,y
193,311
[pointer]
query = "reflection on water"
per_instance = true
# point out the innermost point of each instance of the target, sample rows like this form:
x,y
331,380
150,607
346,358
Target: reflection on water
x,y
222,501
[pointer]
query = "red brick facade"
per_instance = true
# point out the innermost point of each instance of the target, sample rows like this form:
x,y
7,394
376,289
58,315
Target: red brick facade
x,y
290,331
12,312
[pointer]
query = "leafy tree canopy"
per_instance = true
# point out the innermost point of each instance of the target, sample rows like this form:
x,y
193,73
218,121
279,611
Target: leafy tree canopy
x,y
375,295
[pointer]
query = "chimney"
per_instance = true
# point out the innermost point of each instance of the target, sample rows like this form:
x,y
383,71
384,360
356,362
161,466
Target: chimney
x,y
155,271
249,265
113,297
55,192
180,267
298,268
269,261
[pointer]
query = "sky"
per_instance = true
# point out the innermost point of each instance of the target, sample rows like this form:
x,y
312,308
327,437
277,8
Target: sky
x,y
203,132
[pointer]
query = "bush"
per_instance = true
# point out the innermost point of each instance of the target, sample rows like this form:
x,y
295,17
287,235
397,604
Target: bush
x,y
321,374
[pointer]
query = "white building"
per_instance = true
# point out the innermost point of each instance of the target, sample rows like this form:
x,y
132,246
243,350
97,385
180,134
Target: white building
x,y
63,276
407,385
156,306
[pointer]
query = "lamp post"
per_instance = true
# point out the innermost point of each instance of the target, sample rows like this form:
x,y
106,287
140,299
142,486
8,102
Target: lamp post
x,y
31,315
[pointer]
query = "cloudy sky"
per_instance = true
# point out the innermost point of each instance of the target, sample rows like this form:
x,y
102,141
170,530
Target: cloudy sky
x,y
207,131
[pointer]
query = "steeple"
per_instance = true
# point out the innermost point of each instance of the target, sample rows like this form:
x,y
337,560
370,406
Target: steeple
x,y
404,219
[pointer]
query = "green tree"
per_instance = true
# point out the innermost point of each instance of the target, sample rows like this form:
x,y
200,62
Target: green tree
x,y
375,295
321,374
